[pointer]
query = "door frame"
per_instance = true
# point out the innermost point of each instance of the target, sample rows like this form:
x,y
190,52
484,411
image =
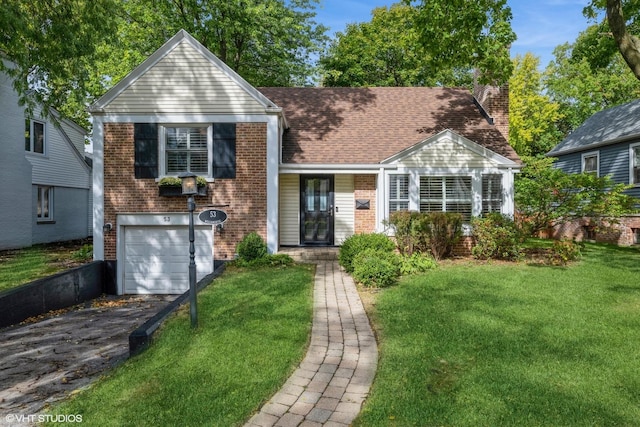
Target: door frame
x,y
330,211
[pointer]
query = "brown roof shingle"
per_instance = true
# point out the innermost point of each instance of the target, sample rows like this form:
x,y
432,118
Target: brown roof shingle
x,y
368,125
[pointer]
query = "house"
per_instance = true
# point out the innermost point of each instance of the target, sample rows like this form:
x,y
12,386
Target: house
x,y
607,143
301,166
46,183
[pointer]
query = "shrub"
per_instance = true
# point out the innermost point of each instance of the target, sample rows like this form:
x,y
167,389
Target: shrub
x,y
376,268
357,243
85,253
251,247
269,260
444,230
497,236
416,263
410,229
563,252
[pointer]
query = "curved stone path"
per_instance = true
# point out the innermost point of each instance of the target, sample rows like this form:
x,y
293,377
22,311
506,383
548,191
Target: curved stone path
x,y
333,381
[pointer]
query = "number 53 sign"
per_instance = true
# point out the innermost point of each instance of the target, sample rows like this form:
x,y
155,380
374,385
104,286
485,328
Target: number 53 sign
x,y
213,216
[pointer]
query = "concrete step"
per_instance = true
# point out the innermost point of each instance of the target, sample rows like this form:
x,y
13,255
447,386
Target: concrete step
x,y
311,254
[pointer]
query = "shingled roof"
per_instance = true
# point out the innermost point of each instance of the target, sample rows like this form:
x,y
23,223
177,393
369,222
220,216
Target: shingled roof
x,y
604,127
368,125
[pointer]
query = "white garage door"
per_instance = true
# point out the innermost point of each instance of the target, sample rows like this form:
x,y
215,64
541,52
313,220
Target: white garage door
x,y
156,259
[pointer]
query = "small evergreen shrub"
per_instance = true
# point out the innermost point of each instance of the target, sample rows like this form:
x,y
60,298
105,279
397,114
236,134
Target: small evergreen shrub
x,y
269,260
416,263
444,230
357,243
497,237
251,247
563,251
376,268
85,253
410,229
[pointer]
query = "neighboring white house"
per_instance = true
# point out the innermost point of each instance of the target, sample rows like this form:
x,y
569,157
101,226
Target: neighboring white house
x,y
45,194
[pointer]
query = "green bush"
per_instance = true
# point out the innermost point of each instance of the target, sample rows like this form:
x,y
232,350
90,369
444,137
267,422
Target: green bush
x,y
357,243
416,263
410,229
563,252
85,253
497,237
269,260
444,230
376,268
251,247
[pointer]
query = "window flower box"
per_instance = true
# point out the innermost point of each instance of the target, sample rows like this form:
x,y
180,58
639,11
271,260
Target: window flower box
x,y
172,187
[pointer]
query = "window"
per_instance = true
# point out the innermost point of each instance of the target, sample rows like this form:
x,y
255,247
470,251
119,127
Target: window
x,y
45,203
636,236
448,194
34,136
398,193
491,193
635,164
589,232
186,150
590,163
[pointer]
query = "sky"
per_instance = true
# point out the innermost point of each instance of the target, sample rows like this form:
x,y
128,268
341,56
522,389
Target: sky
x,y
540,25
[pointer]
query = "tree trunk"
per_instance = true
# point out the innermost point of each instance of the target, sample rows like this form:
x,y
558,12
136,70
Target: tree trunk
x,y
628,44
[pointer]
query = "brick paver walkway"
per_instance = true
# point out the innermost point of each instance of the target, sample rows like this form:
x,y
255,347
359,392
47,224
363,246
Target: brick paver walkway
x,y
332,382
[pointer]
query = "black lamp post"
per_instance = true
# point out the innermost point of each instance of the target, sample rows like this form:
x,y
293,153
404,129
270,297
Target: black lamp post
x,y
189,188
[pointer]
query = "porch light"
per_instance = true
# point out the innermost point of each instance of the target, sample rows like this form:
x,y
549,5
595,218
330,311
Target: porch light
x,y
189,183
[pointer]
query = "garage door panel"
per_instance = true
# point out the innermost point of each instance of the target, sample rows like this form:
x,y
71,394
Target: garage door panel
x,y
157,258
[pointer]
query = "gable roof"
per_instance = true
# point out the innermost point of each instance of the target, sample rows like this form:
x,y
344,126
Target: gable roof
x,y
181,38
604,127
369,125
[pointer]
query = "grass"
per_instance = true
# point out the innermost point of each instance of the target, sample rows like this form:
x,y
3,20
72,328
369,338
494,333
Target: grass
x,y
21,266
511,344
253,327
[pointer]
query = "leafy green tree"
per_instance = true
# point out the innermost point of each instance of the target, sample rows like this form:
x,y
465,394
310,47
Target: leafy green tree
x,y
532,115
468,33
51,45
546,196
385,52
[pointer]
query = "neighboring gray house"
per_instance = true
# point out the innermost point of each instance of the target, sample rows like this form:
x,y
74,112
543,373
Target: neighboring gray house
x,y
46,182
607,143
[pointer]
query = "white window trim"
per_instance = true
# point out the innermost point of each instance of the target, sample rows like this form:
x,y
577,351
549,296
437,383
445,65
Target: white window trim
x,y
42,190
31,141
162,172
632,148
595,154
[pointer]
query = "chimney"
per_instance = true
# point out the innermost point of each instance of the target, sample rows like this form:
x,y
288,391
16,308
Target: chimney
x,y
493,102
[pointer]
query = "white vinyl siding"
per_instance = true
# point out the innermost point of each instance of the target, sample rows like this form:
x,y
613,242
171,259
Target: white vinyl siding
x,y
445,152
290,210
184,82
344,218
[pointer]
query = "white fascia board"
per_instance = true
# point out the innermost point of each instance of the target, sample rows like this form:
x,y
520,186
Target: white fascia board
x,y
334,168
184,118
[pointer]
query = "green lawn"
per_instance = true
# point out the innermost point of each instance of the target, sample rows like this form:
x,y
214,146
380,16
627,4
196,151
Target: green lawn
x,y
253,328
511,345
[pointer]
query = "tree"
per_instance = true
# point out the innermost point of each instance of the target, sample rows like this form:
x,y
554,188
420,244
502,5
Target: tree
x,y
532,115
385,52
50,47
547,197
468,33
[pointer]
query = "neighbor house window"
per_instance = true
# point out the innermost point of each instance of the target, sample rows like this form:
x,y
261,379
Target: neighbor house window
x,y
447,194
45,203
635,164
636,236
590,163
186,150
34,136
398,193
491,193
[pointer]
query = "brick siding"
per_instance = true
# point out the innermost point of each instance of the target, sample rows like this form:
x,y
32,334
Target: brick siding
x,y
365,188
621,234
246,195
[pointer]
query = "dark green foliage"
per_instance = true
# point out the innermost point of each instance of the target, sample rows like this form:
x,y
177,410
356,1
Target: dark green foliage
x,y
376,267
497,237
445,230
417,263
251,247
85,253
563,252
410,229
358,243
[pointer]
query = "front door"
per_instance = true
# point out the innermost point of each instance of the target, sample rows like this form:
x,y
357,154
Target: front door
x,y
316,210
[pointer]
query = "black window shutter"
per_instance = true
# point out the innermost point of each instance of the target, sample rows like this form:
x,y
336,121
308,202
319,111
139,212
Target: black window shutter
x,y
146,150
224,150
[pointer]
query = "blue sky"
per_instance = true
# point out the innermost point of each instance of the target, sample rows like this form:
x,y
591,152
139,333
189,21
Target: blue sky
x,y
540,25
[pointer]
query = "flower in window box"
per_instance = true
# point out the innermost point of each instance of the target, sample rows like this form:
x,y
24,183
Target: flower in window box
x,y
171,186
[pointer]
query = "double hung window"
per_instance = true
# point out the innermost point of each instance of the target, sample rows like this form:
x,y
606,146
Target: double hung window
x,y
635,164
590,163
186,150
34,136
447,194
398,193
45,203
491,193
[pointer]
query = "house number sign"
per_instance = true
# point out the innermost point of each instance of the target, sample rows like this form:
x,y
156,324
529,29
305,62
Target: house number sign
x,y
213,216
